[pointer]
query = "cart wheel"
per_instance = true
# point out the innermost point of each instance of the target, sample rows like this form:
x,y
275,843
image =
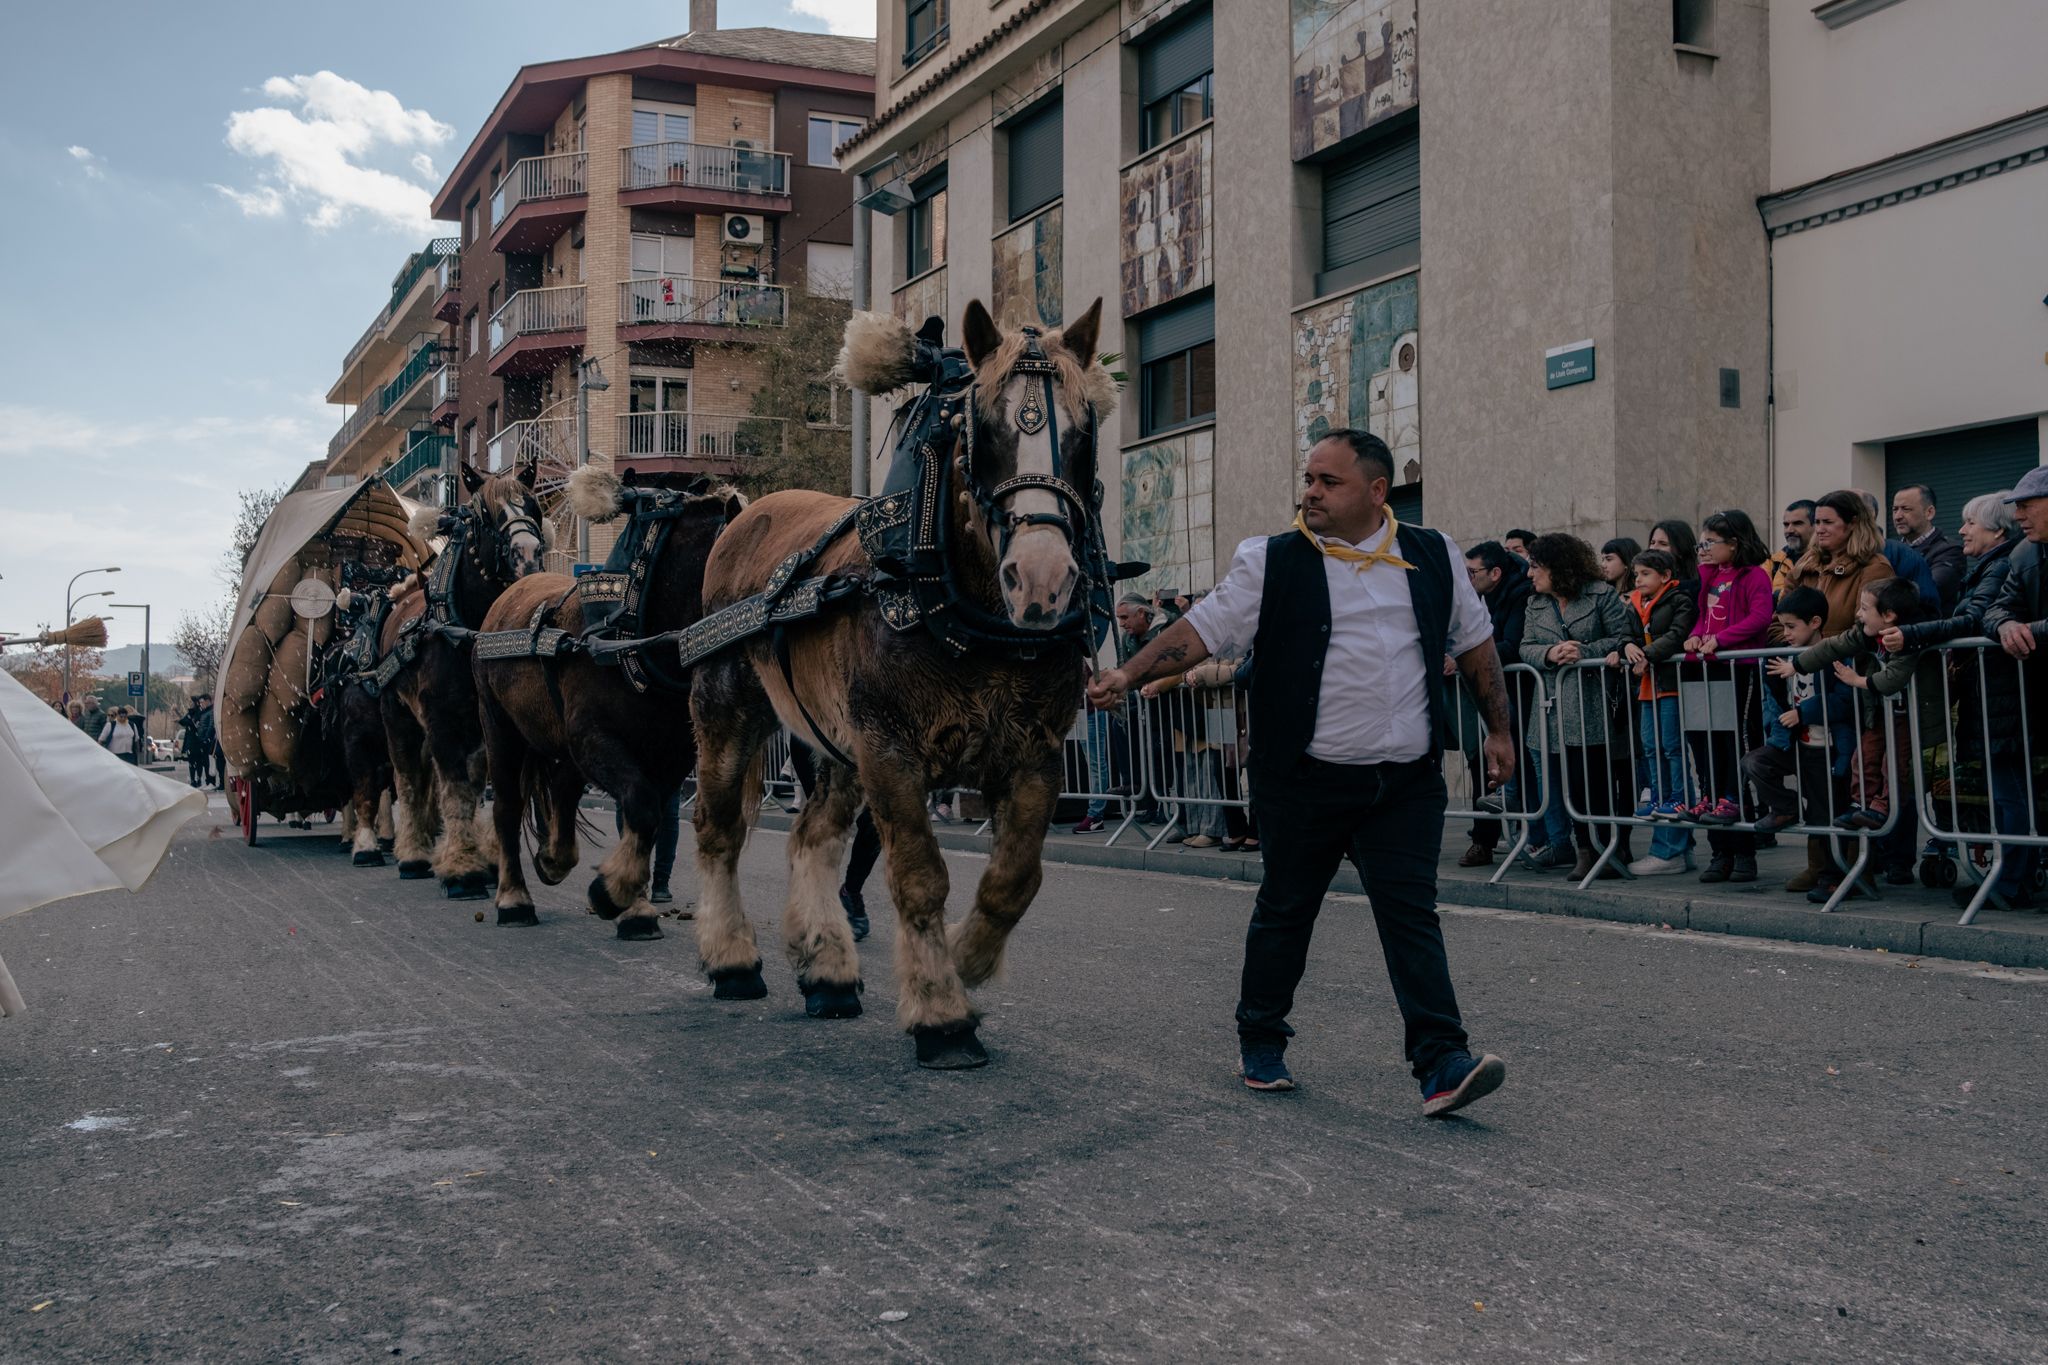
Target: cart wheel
x,y
1948,872
249,813
1937,872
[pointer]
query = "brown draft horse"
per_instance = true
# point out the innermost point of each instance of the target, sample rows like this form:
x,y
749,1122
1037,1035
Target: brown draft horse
x,y
430,709
551,724
910,713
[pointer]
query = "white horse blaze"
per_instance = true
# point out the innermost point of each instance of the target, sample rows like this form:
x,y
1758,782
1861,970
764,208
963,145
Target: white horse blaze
x,y
1038,573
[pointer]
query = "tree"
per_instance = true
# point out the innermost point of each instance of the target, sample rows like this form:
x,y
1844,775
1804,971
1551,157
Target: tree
x,y
41,669
801,433
202,637
257,505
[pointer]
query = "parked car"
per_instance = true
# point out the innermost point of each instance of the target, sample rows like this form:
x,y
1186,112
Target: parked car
x,y
161,750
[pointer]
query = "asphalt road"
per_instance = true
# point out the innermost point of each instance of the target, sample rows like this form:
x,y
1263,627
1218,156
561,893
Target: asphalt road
x,y
277,1108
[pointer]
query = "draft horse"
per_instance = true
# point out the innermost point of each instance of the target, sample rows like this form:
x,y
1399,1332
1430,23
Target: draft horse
x,y
428,692
556,715
955,660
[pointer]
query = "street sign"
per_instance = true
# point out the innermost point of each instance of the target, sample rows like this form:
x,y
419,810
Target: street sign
x,y
578,570
134,682
1568,364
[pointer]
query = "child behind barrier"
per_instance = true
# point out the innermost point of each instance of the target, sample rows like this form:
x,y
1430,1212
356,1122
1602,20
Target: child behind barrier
x,y
1808,731
1664,611
1861,661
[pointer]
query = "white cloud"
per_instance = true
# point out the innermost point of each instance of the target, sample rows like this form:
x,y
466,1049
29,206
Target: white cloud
x,y
855,18
320,157
94,165
35,431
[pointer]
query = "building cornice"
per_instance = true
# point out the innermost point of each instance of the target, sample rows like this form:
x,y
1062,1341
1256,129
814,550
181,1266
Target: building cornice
x,y
848,152
1836,13
1944,165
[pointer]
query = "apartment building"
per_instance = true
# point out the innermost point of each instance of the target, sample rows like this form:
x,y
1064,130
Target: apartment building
x,y
1909,186
637,220
1520,242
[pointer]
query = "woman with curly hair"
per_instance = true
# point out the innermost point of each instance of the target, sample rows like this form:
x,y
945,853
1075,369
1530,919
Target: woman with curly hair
x,y
1576,616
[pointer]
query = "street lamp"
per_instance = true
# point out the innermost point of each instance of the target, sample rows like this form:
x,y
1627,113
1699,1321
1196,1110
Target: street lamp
x,y
69,603
143,607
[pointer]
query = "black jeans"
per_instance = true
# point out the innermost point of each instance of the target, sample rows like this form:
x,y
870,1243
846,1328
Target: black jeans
x,y
666,834
867,848
1389,819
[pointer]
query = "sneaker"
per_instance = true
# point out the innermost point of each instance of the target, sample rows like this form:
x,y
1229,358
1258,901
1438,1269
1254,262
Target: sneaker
x,y
1265,1068
1544,858
1770,822
1669,810
1720,868
1646,809
1459,1080
1089,824
1901,876
856,908
1744,869
1719,812
1654,866
1859,817
1491,805
661,895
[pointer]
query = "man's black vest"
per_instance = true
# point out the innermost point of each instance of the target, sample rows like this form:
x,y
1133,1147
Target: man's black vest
x,y
1294,634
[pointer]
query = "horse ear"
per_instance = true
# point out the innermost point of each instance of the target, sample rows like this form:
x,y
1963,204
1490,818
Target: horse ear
x,y
980,332
471,478
1080,335
734,505
529,474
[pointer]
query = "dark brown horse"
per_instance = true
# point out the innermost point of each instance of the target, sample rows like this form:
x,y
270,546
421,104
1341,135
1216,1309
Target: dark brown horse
x,y
910,712
551,724
430,708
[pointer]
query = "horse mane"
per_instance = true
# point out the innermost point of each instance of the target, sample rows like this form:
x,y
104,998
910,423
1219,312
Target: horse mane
x,y
1091,380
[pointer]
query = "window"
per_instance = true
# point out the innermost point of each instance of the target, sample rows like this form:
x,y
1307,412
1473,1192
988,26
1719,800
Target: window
x,y
472,218
924,226
661,290
475,331
658,413
1037,160
1174,81
1692,23
655,254
472,444
827,132
1372,212
1177,356
924,28
491,301
660,123
491,419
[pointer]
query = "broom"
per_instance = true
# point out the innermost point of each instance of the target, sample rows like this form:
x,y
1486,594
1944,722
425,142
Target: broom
x,y
91,633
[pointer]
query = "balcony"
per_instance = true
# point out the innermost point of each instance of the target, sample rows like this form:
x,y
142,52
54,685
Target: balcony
x,y
444,390
693,442
407,396
704,177
426,453
535,328
352,428
537,440
538,199
448,289
671,307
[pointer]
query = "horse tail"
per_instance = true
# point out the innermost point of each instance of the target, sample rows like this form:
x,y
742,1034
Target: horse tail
x,y
536,784
754,788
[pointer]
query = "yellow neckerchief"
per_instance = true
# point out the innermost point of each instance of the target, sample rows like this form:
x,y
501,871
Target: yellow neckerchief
x,y
1360,560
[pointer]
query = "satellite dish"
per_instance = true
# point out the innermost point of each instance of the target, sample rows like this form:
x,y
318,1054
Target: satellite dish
x,y
312,599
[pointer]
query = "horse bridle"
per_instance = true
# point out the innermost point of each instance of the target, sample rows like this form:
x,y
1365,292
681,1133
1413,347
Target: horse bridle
x,y
1038,412
498,563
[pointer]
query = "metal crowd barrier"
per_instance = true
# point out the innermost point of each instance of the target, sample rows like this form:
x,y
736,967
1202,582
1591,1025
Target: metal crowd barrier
x,y
1190,747
1524,801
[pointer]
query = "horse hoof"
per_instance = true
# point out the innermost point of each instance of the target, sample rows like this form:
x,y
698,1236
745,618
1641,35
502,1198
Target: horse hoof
x,y
832,999
520,916
415,870
601,901
467,886
953,1049
368,857
550,874
642,927
738,983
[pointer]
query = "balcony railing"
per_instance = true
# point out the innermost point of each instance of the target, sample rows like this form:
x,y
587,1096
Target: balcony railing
x,y
447,385
448,270
672,298
540,177
704,166
424,359
423,453
696,434
559,309
352,426
440,249
537,440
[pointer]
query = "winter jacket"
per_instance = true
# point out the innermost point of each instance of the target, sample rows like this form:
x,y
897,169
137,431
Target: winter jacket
x,y
1946,562
1983,579
1910,564
1982,683
1833,703
2023,597
1734,607
1666,620
92,720
1887,674
1842,582
1601,623
1508,605
1783,569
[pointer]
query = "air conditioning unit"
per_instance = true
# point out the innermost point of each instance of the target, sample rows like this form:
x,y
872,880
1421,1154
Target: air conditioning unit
x,y
745,229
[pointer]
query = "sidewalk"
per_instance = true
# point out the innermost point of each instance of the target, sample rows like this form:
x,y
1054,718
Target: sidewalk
x,y
1909,920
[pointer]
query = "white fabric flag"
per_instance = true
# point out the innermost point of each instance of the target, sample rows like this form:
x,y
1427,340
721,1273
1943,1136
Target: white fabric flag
x,y
74,819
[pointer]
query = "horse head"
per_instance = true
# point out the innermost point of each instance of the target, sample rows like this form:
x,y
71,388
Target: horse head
x,y
1029,462
508,516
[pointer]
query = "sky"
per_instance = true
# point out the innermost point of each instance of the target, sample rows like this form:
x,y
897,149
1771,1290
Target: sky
x,y
206,203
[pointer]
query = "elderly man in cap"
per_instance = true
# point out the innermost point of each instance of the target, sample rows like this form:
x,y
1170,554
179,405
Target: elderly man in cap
x,y
2018,620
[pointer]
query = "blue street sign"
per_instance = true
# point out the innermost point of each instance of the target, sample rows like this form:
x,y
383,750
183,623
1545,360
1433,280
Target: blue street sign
x,y
578,570
134,682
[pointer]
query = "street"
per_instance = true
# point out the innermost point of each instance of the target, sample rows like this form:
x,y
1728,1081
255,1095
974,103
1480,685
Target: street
x,y
277,1108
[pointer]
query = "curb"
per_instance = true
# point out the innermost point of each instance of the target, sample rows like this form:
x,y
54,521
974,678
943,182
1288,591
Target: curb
x,y
1903,930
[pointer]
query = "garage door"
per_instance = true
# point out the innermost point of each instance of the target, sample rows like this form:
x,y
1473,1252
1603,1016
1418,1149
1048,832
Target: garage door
x,y
1961,465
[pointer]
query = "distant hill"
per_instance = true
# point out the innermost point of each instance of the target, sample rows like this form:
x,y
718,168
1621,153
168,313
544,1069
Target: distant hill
x,y
164,661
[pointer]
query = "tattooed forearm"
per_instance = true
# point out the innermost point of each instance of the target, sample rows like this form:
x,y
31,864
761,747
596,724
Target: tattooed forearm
x,y
1480,666
1177,650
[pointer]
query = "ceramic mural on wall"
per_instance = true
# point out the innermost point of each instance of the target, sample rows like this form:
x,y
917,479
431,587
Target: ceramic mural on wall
x,y
1165,224
1358,363
1169,511
1354,65
1027,285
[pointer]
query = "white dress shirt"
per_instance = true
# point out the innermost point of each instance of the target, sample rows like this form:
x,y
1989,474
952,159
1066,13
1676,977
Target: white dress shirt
x,y
1374,702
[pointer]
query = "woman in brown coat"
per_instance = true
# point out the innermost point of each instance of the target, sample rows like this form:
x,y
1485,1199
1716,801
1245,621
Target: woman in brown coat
x,y
1845,556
